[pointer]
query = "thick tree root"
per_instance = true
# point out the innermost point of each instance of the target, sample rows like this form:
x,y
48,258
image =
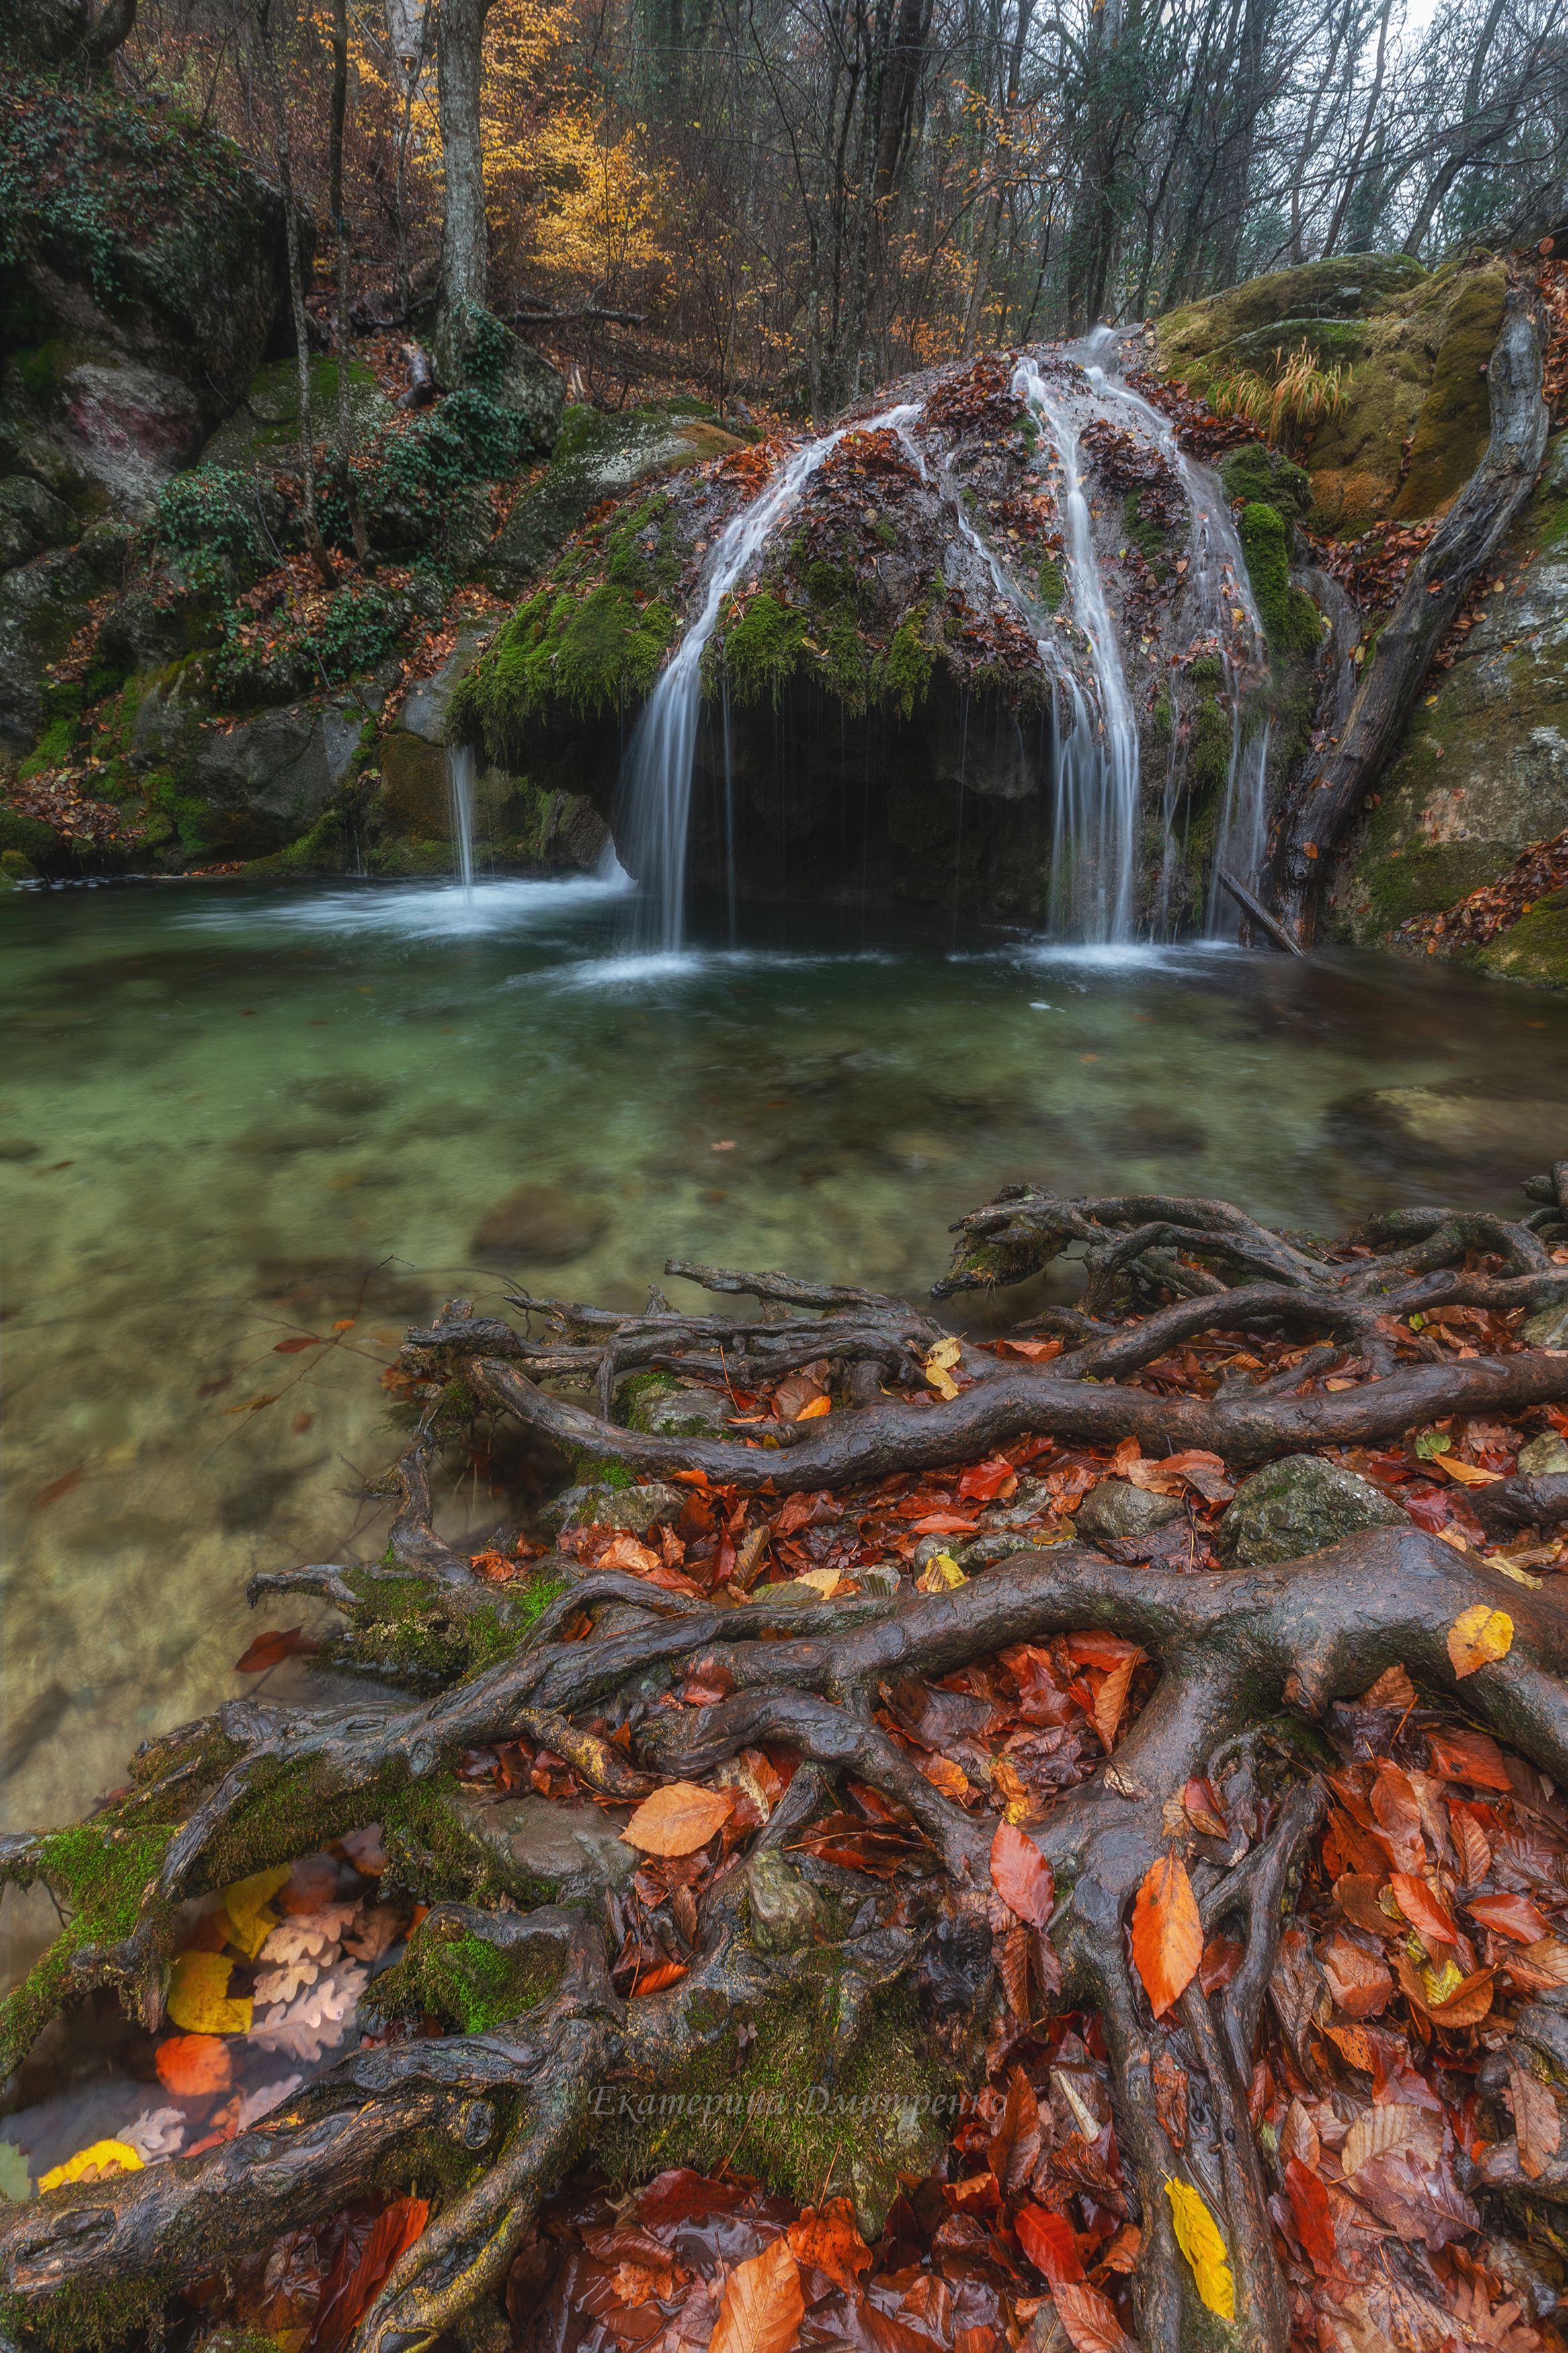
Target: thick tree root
x,y
1249,1660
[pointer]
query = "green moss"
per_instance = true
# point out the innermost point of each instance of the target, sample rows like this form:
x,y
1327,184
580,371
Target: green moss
x,y
1536,947
589,653
1145,533
1053,585
907,665
760,651
72,2319
1209,751
466,1980
1424,882
1161,714
794,2106
886,533
1208,671
98,1873
1456,416
1255,472
1265,545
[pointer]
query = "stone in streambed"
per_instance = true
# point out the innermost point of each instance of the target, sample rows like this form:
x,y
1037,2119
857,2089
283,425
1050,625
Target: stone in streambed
x,y
1299,1505
1547,1328
1546,1457
1117,1511
540,1225
661,1408
571,1847
636,1509
785,1913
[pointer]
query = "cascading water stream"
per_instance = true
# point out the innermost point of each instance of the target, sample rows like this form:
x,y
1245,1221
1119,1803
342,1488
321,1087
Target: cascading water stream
x,y
460,804
656,772
1220,576
1095,833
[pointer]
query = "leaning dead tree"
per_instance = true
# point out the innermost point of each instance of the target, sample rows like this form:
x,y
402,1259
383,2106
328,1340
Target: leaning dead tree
x,y
1302,859
672,1681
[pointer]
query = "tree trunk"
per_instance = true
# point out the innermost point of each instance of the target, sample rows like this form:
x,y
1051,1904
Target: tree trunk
x,y
309,523
1434,592
465,250
346,482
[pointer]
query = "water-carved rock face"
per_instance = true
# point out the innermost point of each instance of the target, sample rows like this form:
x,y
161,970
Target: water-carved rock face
x,y
995,646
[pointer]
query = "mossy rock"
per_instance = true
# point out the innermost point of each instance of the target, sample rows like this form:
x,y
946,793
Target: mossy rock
x,y
1452,429
1351,287
1536,947
265,429
759,653
588,654
595,458
1256,471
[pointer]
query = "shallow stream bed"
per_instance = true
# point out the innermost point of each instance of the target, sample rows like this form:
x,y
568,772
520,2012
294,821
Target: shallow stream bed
x,y
234,1118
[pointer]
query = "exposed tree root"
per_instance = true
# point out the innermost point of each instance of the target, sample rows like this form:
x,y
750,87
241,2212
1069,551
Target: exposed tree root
x,y
1248,1660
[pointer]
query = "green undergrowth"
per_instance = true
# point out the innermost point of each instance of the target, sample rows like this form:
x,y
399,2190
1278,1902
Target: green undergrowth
x,y
794,2104
591,653
1290,618
465,1980
405,1631
98,1876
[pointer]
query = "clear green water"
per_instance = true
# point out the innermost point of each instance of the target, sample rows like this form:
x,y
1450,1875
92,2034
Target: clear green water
x,y
232,1117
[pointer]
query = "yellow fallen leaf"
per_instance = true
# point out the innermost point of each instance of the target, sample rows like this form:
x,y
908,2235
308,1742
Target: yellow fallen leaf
x,y
250,1914
1198,2237
1441,1985
1511,1568
680,1818
813,1408
942,1573
937,1366
92,2164
198,1996
1477,1636
1468,1474
826,1581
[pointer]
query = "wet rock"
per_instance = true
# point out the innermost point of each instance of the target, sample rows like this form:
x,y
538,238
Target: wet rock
x,y
540,1225
1299,1505
678,1410
1547,1328
42,605
596,457
785,1913
423,711
571,1848
31,519
266,424
1116,1510
268,780
520,378
633,1508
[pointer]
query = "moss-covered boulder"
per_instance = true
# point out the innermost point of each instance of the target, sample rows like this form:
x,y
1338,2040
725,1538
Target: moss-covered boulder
x,y
1482,771
265,426
597,457
145,267
1415,415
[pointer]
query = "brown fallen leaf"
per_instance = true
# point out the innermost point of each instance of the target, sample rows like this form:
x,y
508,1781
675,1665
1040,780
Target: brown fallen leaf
x,y
1167,1937
1170,2081
1536,2121
271,1649
679,1819
763,2306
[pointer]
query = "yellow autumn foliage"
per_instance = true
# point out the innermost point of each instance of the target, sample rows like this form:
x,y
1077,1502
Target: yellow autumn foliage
x,y
198,1996
92,2164
1198,2237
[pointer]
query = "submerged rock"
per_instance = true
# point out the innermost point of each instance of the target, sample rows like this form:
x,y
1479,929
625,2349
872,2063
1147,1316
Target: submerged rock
x,y
1298,1505
540,1225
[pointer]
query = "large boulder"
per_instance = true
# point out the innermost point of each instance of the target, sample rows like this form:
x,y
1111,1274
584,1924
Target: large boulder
x,y
133,314
1482,772
472,346
1298,1505
596,457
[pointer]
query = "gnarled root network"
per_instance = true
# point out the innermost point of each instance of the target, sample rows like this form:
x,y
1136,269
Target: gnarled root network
x,y
1248,1661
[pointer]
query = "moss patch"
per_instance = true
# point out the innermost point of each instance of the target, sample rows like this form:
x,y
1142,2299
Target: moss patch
x,y
1536,947
591,653
1455,416
1255,471
467,1982
760,648
98,1873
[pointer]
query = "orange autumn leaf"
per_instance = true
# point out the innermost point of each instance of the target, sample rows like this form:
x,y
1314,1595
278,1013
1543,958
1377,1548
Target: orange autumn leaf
x,y
763,2306
1478,1636
831,2241
1426,1914
667,1973
1021,1877
1167,1935
1111,1699
192,2066
679,1819
1089,2319
1047,2240
271,1649
813,1408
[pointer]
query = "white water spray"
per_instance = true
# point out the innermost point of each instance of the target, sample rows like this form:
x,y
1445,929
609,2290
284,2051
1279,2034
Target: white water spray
x,y
656,773
1095,833
461,805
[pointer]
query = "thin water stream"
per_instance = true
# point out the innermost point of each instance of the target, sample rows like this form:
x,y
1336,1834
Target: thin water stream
x,y
233,1119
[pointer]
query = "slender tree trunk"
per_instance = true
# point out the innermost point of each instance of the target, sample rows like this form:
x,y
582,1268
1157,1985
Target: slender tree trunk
x,y
465,252
1352,170
340,226
313,529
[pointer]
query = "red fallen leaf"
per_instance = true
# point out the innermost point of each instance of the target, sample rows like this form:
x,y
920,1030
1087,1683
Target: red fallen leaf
x,y
943,1524
1021,1877
1314,2223
667,1973
1509,1915
1223,1955
1472,1757
1046,2240
1167,1939
1427,1915
986,1479
831,2241
391,2235
1089,2319
977,2193
1014,2146
58,1487
1101,1650
270,1650
682,2196
292,1348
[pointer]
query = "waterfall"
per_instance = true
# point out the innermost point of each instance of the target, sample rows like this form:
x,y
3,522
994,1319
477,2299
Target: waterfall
x,y
461,805
655,776
1095,834
1220,576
